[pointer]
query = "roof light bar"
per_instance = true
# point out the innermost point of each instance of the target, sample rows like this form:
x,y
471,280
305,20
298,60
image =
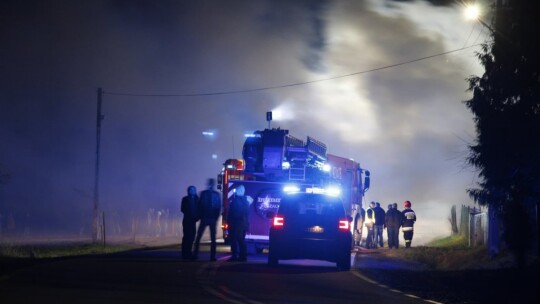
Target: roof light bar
x,y
333,191
291,189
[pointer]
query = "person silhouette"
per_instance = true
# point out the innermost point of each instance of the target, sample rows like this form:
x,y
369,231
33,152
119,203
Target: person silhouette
x,y
209,208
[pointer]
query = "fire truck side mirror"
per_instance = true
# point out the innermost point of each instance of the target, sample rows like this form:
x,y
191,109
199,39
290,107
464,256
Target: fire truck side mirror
x,y
366,181
219,181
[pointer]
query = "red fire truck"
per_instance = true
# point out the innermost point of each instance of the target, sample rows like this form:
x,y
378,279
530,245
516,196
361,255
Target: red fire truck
x,y
273,160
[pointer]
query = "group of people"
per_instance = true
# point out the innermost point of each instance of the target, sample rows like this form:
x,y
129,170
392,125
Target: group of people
x,y
206,208
376,220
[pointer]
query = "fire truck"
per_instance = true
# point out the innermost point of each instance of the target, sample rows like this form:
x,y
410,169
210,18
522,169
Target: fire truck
x,y
274,160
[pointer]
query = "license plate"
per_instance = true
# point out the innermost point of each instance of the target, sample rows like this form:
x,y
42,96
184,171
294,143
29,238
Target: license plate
x,y
315,229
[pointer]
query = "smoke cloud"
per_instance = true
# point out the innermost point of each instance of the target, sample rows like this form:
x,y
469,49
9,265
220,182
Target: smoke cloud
x,y
406,124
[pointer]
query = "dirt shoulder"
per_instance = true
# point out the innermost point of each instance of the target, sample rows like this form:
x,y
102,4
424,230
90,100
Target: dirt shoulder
x,y
18,253
484,282
384,259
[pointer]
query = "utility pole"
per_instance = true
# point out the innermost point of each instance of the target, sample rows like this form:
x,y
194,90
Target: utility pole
x,y
96,177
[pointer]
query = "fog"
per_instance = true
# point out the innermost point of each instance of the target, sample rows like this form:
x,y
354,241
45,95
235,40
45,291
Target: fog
x,y
166,68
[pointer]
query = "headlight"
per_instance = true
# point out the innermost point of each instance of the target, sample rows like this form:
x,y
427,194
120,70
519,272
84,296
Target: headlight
x,y
291,189
333,191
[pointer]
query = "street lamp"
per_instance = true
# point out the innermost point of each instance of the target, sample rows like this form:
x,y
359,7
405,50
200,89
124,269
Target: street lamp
x,y
472,12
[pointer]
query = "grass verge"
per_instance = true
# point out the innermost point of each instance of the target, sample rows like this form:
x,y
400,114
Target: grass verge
x,y
14,257
452,253
56,251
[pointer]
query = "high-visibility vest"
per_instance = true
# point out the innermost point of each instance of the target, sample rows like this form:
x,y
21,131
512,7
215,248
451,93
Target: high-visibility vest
x,y
370,219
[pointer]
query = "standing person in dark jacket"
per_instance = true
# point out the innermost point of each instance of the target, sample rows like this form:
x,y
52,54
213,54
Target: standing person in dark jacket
x,y
238,220
370,223
191,216
379,224
393,222
209,209
407,223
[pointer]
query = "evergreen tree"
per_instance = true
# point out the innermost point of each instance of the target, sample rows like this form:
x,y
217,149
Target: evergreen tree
x,y
506,108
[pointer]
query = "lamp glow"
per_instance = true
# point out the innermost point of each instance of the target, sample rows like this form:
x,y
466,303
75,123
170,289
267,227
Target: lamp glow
x,y
472,12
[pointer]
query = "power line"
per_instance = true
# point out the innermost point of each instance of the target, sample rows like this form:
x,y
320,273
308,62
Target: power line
x,y
480,34
472,29
292,84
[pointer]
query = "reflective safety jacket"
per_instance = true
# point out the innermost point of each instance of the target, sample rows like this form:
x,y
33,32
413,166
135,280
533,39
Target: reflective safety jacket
x,y
408,219
370,217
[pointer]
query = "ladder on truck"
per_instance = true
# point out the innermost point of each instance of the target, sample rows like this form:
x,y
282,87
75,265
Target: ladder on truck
x,y
297,173
301,155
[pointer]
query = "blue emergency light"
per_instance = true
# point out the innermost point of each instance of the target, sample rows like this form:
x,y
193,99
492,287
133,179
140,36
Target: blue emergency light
x,y
330,190
291,189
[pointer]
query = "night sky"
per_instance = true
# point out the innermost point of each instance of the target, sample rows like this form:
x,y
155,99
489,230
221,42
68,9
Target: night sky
x,y
166,68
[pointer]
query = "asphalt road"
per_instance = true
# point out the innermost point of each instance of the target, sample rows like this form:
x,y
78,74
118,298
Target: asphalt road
x,y
160,276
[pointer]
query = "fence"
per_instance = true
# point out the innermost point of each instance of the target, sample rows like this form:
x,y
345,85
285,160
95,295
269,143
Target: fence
x,y
474,225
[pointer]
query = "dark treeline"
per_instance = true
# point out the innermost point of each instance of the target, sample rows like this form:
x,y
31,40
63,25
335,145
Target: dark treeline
x,y
506,108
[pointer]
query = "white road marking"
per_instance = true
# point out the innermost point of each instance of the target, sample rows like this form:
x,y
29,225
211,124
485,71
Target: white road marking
x,y
363,277
206,275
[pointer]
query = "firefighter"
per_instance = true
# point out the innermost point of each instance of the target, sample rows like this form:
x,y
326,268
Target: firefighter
x,y
189,221
393,222
238,220
407,223
370,222
209,208
379,225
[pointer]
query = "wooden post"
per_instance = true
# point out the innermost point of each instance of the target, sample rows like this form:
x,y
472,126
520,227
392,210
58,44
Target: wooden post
x,y
96,176
103,230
